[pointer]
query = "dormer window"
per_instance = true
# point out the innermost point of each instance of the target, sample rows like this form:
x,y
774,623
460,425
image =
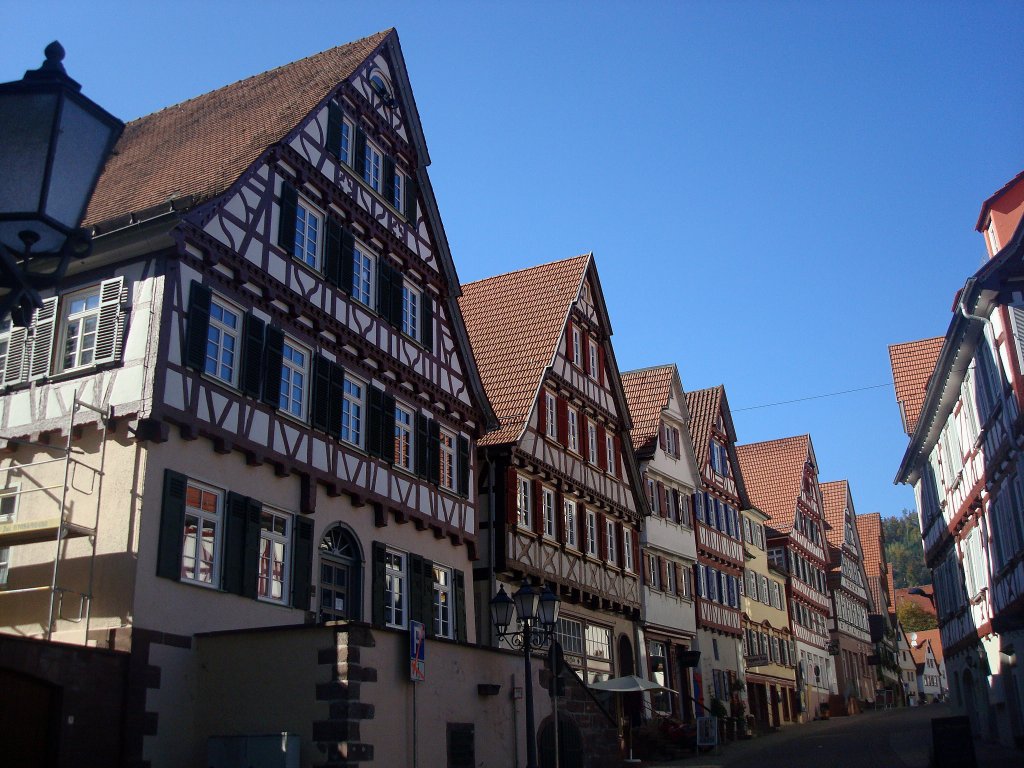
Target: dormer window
x,y
992,236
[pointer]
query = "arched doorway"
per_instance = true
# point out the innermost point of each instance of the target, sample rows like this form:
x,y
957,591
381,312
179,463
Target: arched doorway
x,y
570,744
341,572
30,712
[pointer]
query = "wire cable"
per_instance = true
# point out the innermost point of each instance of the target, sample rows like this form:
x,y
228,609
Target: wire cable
x,y
812,397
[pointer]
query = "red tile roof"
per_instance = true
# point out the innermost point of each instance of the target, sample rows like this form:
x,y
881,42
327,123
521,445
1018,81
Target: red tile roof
x,y
514,322
197,149
704,406
934,637
647,394
980,225
872,547
912,365
773,471
833,497
921,601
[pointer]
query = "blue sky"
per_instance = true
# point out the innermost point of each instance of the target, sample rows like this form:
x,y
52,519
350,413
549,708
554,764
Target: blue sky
x,y
774,192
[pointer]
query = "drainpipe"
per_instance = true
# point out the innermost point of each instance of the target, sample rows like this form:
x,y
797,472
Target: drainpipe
x,y
490,546
963,308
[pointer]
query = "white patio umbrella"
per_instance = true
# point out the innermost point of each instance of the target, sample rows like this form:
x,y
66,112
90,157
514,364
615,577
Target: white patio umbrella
x,y
629,684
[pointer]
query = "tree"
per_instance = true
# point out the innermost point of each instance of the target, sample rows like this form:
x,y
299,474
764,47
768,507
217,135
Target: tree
x,y
904,550
914,618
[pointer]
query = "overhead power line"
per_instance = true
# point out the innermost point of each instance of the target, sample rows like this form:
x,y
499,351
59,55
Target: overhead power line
x,y
813,397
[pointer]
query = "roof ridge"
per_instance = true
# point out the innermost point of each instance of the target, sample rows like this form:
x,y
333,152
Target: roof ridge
x,y
776,440
528,269
915,341
661,367
382,34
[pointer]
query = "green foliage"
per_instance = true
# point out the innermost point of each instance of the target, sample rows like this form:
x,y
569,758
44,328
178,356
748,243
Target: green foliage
x,y
904,551
913,617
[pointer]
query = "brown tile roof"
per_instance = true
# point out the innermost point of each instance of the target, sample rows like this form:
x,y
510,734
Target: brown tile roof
x,y
912,365
514,322
872,542
892,594
773,471
704,406
833,497
198,148
647,394
934,637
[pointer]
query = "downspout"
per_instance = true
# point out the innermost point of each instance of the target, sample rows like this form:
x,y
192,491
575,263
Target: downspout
x,y
491,582
963,308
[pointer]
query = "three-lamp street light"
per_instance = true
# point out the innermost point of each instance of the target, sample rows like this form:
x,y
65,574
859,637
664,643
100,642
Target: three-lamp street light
x,y
536,614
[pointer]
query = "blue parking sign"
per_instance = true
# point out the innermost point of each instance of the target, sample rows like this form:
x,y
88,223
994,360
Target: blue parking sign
x,y
417,651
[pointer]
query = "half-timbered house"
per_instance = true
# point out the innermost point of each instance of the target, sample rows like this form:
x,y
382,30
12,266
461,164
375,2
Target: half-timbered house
x,y
850,627
559,482
661,440
965,464
254,404
718,578
782,479
882,618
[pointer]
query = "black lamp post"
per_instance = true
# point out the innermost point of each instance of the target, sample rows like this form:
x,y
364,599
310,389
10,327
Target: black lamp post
x,y
536,615
55,142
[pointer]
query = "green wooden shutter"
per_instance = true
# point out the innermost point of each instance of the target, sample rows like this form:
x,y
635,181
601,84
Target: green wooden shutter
x,y
388,430
348,244
375,426
320,402
333,251
273,358
433,451
286,222
110,325
44,325
251,550
252,355
384,275
427,320
463,466
302,562
334,118
460,606
172,525
335,399
377,588
359,152
421,445
198,326
426,597
417,582
234,544
388,180
397,281
411,193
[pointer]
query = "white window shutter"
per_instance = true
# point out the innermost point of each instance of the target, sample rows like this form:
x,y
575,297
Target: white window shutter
x,y
1017,321
110,328
44,324
17,357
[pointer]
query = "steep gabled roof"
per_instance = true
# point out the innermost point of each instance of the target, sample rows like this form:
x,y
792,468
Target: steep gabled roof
x,y
872,543
197,149
647,393
934,638
774,471
514,323
704,405
833,499
912,365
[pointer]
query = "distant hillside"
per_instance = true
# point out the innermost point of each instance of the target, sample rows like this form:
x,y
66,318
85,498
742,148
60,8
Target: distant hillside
x,y
903,550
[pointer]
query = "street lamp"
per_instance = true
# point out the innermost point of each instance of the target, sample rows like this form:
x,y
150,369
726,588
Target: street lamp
x,y
55,142
536,615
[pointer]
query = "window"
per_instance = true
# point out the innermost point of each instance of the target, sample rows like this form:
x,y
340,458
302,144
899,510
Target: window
x,y
670,577
609,532
8,508
395,193
345,148
577,348
550,416
762,589
373,160
652,496
683,582
294,378
591,532
410,311
443,602
523,501
273,566
627,549
653,572
308,226
660,700
395,598
609,448
352,405
548,504
569,634
362,275
569,510
993,236
5,345
200,554
592,442
776,595
81,319
592,358
574,430
599,642
222,341
446,456
404,421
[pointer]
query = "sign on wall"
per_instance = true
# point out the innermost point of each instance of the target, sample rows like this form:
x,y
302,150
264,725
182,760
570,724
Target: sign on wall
x,y
417,651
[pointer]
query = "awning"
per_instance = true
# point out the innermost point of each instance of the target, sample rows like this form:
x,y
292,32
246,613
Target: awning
x,y
628,684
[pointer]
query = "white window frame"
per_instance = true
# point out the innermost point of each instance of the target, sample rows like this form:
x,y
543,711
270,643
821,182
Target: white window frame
x,y
550,416
203,519
592,533
547,502
610,548
670,577
627,549
396,195
683,584
442,601
653,496
373,167
353,411
447,471
410,311
217,335
653,572
81,317
572,419
294,375
592,442
275,552
569,517
396,592
577,348
609,453
364,275
524,502
992,235
7,517
592,358
405,436
309,233
345,150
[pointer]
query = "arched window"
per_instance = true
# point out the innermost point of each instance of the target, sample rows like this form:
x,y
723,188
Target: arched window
x,y
341,570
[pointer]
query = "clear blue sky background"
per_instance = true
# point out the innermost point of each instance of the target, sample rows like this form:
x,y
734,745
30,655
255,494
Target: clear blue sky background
x,y
774,192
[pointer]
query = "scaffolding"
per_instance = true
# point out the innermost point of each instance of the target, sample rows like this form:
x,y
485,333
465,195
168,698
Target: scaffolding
x,y
60,528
